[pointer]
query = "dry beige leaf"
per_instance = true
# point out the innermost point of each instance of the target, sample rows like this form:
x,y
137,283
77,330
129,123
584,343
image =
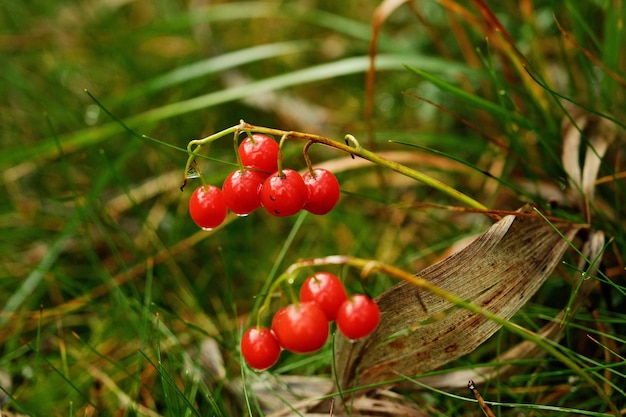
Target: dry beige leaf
x,y
280,395
11,414
382,403
592,250
598,133
499,272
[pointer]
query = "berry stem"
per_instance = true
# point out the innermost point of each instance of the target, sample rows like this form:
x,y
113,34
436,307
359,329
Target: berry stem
x,y
279,163
194,146
292,295
289,278
251,136
307,158
242,169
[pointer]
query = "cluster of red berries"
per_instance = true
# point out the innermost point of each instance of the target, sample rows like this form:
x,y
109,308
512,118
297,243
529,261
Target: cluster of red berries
x,y
259,183
303,327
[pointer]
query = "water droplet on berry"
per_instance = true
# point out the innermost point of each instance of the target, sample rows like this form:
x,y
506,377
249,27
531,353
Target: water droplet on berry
x,y
242,215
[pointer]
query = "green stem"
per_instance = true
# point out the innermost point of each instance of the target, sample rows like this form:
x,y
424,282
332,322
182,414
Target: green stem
x,y
307,158
242,169
194,146
358,150
292,295
273,289
279,163
353,148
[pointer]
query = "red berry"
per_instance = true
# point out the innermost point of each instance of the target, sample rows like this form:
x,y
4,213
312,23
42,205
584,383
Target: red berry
x,y
241,191
260,348
326,290
323,191
284,195
260,153
302,328
207,207
358,316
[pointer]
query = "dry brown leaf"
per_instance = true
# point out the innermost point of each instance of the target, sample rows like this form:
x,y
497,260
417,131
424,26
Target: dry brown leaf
x,y
592,250
499,272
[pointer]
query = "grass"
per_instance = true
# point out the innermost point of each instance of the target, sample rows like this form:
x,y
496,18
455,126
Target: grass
x,y
113,303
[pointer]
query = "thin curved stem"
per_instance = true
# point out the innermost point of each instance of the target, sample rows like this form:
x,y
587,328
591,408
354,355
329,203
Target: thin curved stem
x,y
307,158
353,148
279,162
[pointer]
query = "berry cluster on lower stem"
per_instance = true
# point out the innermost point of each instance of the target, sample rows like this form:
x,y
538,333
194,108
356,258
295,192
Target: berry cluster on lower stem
x,y
302,327
260,183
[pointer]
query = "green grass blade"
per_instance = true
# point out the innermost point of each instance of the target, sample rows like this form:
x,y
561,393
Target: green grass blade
x,y
316,73
347,66
216,64
494,109
462,161
261,10
35,278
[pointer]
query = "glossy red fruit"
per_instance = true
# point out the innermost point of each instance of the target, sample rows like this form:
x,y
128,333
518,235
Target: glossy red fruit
x,y
358,316
284,195
302,328
260,153
323,191
259,348
241,191
326,290
207,207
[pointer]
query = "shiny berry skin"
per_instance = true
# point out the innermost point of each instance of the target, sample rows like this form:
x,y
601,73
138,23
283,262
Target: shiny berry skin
x,y
241,191
326,290
284,195
358,317
302,328
323,191
259,348
207,207
260,153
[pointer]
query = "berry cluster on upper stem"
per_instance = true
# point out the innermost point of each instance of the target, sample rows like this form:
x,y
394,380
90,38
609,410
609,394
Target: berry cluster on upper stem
x,y
260,182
